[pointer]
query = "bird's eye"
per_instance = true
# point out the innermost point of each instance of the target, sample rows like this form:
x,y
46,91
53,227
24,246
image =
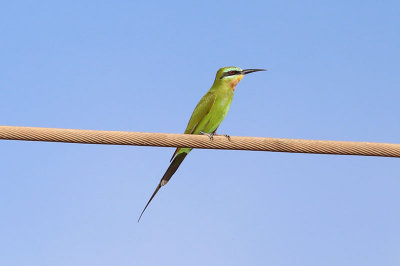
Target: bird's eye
x,y
230,73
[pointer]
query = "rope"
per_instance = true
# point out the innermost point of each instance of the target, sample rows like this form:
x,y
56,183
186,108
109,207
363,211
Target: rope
x,y
198,141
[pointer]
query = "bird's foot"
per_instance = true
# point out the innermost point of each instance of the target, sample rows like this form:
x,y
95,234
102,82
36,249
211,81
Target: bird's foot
x,y
227,136
211,135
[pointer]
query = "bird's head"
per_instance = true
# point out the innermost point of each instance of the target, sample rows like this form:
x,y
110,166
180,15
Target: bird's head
x,y
232,75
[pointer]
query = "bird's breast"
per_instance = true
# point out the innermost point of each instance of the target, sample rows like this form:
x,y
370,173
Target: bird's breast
x,y
222,104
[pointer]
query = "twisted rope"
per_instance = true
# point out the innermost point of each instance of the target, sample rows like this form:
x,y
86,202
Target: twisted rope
x,y
198,141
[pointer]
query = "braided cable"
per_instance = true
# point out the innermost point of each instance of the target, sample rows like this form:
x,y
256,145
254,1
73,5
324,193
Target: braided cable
x,y
199,141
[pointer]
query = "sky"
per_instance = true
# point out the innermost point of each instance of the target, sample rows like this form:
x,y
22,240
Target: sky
x,y
143,66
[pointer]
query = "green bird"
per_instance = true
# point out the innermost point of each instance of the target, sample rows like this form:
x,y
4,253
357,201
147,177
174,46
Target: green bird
x,y
207,116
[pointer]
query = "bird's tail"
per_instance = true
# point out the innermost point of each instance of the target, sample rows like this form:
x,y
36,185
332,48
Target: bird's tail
x,y
176,162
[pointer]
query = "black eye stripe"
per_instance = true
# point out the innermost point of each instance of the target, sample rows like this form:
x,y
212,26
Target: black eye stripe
x,y
230,73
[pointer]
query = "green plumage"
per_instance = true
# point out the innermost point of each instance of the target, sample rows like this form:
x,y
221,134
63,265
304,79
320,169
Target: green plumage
x,y
207,116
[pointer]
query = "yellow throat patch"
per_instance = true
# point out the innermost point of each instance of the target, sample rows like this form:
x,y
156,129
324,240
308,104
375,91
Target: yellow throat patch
x,y
235,81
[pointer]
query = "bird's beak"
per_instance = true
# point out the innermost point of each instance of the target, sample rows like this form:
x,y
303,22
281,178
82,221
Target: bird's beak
x,y
247,71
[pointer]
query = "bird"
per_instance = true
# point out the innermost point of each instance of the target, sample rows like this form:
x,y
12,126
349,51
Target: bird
x,y
207,116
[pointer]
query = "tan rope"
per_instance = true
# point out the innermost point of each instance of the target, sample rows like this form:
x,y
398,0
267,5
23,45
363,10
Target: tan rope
x,y
198,141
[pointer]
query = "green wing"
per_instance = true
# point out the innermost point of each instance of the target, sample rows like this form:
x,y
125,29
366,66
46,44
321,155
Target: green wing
x,y
202,109
199,114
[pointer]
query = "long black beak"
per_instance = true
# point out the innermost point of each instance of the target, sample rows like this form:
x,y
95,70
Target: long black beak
x,y
247,71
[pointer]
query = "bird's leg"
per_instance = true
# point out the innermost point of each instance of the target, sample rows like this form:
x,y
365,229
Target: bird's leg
x,y
211,135
225,135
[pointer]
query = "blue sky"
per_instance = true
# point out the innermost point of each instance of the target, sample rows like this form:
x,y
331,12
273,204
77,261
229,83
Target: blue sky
x,y
142,66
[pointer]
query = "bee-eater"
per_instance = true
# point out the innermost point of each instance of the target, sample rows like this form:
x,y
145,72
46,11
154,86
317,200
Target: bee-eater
x,y
207,116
